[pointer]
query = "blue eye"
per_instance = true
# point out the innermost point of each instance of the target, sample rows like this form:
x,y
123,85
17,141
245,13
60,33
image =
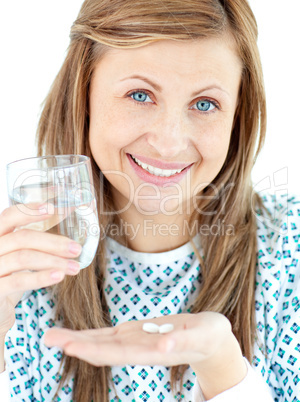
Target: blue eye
x,y
139,96
205,105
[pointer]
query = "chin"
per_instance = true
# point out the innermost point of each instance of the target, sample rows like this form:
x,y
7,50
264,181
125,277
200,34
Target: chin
x,y
153,208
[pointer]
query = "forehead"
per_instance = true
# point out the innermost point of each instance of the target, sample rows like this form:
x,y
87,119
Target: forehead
x,y
181,58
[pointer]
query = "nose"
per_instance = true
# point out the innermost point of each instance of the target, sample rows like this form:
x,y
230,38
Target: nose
x,y
169,135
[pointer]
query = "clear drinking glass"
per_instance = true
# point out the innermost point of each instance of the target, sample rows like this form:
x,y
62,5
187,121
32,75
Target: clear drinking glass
x,y
66,182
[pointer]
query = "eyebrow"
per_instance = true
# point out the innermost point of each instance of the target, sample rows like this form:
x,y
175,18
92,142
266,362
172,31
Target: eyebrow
x,y
158,88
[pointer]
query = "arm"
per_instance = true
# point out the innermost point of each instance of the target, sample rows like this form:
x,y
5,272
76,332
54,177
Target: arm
x,y
277,298
204,341
223,370
227,376
28,260
250,388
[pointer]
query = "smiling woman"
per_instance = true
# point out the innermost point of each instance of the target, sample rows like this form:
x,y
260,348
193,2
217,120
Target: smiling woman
x,y
167,99
172,141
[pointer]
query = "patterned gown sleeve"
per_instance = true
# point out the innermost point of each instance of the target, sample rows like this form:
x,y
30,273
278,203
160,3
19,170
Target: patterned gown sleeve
x,y
33,369
277,352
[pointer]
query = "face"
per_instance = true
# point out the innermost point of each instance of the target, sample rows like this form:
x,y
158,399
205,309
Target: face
x,y
160,120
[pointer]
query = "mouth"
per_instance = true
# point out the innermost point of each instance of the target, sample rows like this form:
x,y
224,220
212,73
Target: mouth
x,y
155,171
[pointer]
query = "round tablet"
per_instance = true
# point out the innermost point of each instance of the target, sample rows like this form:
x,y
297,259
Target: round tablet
x,y
165,328
150,327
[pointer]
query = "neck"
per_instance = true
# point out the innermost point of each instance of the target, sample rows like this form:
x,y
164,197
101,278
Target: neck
x,y
153,234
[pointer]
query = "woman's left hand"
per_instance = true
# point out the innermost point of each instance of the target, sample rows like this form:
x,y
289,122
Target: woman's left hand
x,y
204,341
195,337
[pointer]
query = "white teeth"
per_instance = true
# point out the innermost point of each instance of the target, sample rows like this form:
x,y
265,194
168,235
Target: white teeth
x,y
156,171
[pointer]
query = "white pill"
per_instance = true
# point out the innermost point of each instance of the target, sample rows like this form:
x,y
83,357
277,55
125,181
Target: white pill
x,y
151,328
165,328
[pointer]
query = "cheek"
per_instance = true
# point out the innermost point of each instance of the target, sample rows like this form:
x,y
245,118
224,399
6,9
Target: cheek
x,y
110,128
213,143
213,147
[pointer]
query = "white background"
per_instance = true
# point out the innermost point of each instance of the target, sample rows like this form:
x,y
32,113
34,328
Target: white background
x,y
34,35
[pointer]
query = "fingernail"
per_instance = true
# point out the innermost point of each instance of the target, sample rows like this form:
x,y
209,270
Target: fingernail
x,y
42,210
46,209
57,275
73,267
75,248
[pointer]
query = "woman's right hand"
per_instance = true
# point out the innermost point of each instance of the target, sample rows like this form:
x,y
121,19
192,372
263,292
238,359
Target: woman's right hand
x,y
30,259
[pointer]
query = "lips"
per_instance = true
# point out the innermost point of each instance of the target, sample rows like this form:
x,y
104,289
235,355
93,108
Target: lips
x,y
158,172
160,164
155,170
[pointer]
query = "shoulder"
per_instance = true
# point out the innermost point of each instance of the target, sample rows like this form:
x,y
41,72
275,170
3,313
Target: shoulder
x,y
277,301
278,242
278,239
278,218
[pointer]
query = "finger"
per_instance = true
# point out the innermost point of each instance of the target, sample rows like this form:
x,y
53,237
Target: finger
x,y
47,242
58,337
179,341
96,349
108,352
177,321
61,336
23,281
23,214
106,331
35,260
205,329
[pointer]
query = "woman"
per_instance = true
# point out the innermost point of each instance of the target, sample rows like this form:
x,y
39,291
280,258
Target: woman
x,y
167,99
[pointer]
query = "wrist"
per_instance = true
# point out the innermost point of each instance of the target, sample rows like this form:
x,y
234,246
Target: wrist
x,y
222,370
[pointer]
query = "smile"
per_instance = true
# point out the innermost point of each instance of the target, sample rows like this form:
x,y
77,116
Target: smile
x,y
156,171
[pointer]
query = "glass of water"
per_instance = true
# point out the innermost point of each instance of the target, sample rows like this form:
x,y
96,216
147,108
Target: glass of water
x,y
66,182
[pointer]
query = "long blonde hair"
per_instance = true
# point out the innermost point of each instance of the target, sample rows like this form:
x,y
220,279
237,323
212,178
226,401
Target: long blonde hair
x,y
229,263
